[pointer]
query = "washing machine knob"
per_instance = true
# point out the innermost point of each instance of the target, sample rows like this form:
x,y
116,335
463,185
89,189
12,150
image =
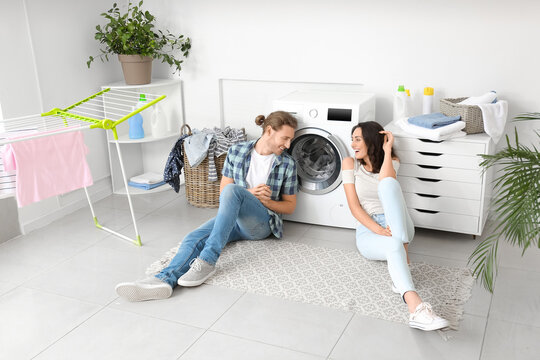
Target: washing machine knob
x,y
313,113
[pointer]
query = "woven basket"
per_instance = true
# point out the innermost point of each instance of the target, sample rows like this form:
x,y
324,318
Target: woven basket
x,y
199,191
471,114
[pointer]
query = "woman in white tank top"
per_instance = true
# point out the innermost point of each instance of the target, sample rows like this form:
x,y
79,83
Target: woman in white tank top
x,y
385,227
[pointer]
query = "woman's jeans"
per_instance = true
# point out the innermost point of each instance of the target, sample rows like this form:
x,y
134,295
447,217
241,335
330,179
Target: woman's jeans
x,y
390,248
240,216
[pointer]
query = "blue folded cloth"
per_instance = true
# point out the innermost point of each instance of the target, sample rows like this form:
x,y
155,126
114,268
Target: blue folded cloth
x,y
433,121
145,186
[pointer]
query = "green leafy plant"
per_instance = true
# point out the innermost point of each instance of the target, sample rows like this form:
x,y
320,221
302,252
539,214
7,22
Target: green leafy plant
x,y
133,33
517,204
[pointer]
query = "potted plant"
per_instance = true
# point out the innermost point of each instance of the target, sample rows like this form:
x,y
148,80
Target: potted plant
x,y
132,37
517,199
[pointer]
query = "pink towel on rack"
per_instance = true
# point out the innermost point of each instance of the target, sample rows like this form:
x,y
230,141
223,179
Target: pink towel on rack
x,y
48,166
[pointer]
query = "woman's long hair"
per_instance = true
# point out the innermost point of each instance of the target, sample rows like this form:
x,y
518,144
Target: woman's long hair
x,y
374,142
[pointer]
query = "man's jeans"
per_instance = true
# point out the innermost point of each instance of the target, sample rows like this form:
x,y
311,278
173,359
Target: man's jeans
x,y
240,216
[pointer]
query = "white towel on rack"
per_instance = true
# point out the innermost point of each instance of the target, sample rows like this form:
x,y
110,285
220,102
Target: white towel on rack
x,y
494,117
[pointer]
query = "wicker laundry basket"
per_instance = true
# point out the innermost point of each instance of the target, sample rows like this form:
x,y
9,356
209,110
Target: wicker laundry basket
x,y
471,114
199,191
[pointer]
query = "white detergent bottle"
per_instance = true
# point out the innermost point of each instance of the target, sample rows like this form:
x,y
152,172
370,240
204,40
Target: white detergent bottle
x,y
427,100
159,123
400,104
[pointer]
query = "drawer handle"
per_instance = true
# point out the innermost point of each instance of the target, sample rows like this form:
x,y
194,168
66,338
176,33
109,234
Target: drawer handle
x,y
428,195
427,211
429,153
429,180
431,141
430,167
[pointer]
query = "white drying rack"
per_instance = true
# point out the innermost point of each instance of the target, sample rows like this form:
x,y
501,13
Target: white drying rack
x,y
89,113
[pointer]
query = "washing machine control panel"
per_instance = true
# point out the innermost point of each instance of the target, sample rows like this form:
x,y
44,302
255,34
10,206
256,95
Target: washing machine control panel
x,y
313,113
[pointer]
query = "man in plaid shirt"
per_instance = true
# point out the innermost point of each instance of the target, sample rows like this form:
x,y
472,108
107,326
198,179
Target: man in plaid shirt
x,y
259,184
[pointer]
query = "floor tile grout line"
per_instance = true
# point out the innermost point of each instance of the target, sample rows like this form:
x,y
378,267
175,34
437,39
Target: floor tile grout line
x,y
73,329
49,268
212,324
487,322
340,336
264,343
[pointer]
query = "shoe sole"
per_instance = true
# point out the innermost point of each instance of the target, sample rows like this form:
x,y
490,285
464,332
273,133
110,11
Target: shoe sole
x,y
429,327
133,292
187,283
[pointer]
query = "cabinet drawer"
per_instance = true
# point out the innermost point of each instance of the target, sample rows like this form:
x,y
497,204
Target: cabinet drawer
x,y
445,147
441,173
444,221
439,159
440,187
442,203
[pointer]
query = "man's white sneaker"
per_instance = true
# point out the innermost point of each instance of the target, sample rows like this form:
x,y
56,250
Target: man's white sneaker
x,y
150,288
198,272
424,318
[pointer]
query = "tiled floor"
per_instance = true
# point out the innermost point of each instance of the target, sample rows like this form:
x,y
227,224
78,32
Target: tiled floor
x,y
57,299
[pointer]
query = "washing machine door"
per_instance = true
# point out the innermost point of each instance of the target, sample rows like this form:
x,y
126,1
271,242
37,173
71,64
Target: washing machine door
x,y
318,156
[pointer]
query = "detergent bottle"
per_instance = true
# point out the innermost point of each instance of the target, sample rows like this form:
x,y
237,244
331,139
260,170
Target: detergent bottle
x,y
136,130
427,101
400,109
159,123
135,122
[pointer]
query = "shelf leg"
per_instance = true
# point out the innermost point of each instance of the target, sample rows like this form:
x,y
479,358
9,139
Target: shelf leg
x,y
138,236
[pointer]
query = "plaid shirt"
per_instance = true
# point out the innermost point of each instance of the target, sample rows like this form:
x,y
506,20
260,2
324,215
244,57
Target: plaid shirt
x,y
282,178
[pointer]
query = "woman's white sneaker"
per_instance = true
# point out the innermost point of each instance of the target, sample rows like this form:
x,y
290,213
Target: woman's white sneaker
x,y
424,318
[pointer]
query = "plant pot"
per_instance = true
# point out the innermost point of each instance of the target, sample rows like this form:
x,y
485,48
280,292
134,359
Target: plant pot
x,y
137,69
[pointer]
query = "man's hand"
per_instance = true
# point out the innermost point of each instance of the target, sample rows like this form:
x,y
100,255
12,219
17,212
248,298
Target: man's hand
x,y
261,192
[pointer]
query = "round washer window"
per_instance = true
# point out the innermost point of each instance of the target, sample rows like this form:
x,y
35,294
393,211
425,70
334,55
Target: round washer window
x,y
318,163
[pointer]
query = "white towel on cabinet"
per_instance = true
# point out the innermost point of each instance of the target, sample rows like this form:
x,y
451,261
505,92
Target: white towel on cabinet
x,y
494,116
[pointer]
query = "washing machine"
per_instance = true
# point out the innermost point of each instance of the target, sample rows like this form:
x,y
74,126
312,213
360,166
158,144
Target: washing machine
x,y
321,142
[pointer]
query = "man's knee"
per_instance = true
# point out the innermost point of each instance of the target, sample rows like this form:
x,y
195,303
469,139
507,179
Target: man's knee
x,y
230,190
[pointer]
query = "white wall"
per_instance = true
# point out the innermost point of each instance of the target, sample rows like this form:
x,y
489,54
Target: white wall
x,y
461,48
44,66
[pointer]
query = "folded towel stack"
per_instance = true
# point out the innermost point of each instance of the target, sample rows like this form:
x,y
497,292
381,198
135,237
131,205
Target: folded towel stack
x,y
433,121
441,133
146,181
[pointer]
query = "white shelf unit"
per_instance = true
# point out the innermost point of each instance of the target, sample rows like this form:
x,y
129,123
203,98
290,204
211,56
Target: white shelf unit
x,y
443,183
148,153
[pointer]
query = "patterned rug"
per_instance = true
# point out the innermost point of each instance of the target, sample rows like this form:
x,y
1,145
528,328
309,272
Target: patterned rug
x,y
340,279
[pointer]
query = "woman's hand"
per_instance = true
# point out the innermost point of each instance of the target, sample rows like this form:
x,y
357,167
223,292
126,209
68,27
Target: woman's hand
x,y
388,141
382,231
261,192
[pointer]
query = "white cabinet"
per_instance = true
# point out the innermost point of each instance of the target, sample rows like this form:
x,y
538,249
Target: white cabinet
x,y
442,181
148,153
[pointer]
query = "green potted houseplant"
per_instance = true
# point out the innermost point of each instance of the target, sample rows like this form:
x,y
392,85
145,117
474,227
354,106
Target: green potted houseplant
x,y
517,199
132,37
